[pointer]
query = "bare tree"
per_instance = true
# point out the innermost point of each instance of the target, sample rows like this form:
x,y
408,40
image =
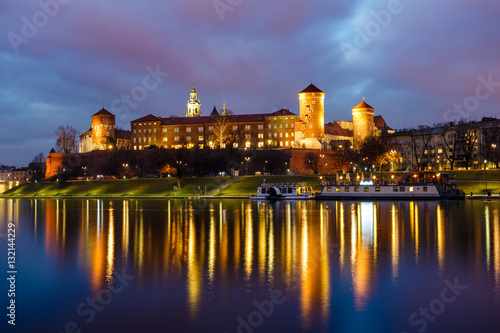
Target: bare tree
x,y
311,162
490,144
448,144
222,129
67,139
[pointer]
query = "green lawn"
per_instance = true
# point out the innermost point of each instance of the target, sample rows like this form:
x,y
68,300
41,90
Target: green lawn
x,y
248,184
127,187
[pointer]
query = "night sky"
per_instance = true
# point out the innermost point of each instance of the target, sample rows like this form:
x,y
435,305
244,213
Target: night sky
x,y
412,60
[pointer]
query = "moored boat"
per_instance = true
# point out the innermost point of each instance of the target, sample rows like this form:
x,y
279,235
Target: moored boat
x,y
416,185
284,191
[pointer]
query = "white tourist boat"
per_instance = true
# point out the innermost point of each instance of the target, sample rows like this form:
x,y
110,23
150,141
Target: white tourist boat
x,y
406,185
284,191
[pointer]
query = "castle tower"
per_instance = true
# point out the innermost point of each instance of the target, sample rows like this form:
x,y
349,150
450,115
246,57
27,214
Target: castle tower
x,y
103,130
312,112
362,119
224,111
193,104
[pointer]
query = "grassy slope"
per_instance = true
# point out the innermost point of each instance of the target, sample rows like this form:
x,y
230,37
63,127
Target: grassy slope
x,y
469,181
135,187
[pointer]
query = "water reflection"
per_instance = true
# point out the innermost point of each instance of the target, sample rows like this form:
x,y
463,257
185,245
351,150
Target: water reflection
x,y
305,248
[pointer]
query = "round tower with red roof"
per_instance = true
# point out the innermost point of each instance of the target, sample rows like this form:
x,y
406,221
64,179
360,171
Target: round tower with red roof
x,y
103,130
312,112
362,119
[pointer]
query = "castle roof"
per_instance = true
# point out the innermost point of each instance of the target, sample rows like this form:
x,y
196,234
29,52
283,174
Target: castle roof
x,y
149,117
282,112
214,112
363,105
380,123
336,129
310,89
103,112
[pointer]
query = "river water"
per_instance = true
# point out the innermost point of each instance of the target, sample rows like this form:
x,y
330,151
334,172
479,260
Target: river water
x,y
106,265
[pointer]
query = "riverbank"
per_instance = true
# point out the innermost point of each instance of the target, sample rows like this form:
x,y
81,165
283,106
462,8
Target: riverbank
x,y
208,187
479,183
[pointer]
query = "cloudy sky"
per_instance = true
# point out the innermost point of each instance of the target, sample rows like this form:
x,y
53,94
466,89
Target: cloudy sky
x,y
416,62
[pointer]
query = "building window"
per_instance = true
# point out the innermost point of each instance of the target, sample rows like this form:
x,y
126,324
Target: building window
x,y
269,126
281,143
210,128
286,125
150,131
188,138
176,139
274,126
164,130
286,135
188,129
366,189
200,129
269,135
314,102
140,140
261,144
176,130
139,131
260,136
292,125
235,145
135,140
248,136
200,138
247,127
134,131
155,130
275,135
281,135
165,139
261,127
235,128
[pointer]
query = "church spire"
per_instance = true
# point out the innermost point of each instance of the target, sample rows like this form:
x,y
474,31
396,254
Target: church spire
x,y
193,104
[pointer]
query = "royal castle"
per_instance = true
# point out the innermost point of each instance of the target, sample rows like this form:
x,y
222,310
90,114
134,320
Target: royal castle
x,y
226,129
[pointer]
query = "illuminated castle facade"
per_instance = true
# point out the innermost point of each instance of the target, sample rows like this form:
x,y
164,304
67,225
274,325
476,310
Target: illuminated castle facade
x,y
223,128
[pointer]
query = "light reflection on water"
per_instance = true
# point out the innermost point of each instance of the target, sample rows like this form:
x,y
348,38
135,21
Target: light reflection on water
x,y
312,250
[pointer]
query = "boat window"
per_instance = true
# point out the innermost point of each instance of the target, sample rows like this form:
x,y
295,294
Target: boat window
x,y
290,190
395,189
401,189
425,188
337,189
346,189
328,189
367,189
377,189
356,189
411,189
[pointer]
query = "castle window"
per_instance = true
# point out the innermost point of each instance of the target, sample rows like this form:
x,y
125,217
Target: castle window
x,y
313,94
107,133
309,117
310,126
188,129
314,102
304,103
292,134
